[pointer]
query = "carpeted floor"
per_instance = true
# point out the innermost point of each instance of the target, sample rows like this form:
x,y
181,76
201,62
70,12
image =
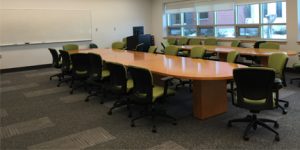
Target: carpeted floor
x,y
35,114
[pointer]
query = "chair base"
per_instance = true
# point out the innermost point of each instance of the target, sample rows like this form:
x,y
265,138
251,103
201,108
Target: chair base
x,y
286,104
295,79
183,83
153,114
253,123
59,76
119,103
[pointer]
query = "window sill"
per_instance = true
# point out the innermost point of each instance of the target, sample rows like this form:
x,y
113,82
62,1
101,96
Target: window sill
x,y
243,40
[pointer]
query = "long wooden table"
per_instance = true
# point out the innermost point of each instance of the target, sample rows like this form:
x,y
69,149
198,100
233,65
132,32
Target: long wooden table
x,y
209,77
262,54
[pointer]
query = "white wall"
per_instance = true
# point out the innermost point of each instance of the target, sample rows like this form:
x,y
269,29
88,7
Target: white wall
x,y
107,15
292,25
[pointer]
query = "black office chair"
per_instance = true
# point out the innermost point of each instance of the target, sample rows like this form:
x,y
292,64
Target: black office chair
x,y
66,67
146,94
80,71
56,63
93,45
255,93
119,85
97,76
296,67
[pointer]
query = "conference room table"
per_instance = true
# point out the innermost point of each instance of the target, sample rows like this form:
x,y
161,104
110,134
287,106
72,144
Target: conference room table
x,y
209,78
261,54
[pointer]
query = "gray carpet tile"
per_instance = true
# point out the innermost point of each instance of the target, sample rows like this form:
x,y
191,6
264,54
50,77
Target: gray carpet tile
x,y
3,113
46,73
17,87
71,115
25,127
4,82
78,141
168,145
45,92
74,98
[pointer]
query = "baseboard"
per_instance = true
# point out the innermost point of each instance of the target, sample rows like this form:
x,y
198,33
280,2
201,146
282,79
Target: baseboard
x,y
27,68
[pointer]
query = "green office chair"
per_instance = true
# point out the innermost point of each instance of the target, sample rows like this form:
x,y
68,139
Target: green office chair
x,y
118,45
66,67
269,45
210,41
232,56
124,40
278,62
197,52
119,84
148,95
56,63
195,41
296,67
171,50
70,47
182,41
172,41
235,43
152,49
255,93
97,76
80,70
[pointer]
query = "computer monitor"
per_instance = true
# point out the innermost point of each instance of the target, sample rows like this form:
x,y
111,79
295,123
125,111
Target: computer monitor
x,y
138,30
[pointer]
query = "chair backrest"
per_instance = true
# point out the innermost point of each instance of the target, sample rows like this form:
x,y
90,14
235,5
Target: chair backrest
x,y
197,52
142,81
81,64
254,88
139,47
171,50
66,61
182,41
210,41
195,41
172,41
70,47
257,43
269,45
165,44
152,49
96,65
55,58
278,62
118,75
93,45
232,56
117,45
235,43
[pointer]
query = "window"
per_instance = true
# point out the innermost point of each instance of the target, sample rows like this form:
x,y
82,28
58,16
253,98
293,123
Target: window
x,y
248,14
265,20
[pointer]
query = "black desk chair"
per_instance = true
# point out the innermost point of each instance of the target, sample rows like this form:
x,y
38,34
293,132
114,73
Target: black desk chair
x,y
119,84
66,67
56,63
255,93
146,94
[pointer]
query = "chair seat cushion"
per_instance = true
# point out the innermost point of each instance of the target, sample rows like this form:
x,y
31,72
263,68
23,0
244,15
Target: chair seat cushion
x,y
257,102
128,88
158,92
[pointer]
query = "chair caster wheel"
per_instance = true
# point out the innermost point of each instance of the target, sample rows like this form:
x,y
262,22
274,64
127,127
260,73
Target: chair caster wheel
x,y
277,138
58,85
246,138
286,105
50,79
229,124
71,92
284,112
109,113
174,123
254,127
101,102
130,115
276,125
132,125
87,99
154,130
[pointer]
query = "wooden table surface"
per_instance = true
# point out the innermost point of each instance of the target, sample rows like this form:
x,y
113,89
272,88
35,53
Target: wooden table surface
x,y
209,77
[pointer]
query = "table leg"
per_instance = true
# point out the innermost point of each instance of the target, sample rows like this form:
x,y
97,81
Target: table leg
x,y
209,98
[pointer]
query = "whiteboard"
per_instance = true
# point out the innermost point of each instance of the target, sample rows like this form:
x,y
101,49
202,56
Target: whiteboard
x,y
34,26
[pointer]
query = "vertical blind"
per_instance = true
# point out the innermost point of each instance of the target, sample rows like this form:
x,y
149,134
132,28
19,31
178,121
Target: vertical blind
x,y
208,5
